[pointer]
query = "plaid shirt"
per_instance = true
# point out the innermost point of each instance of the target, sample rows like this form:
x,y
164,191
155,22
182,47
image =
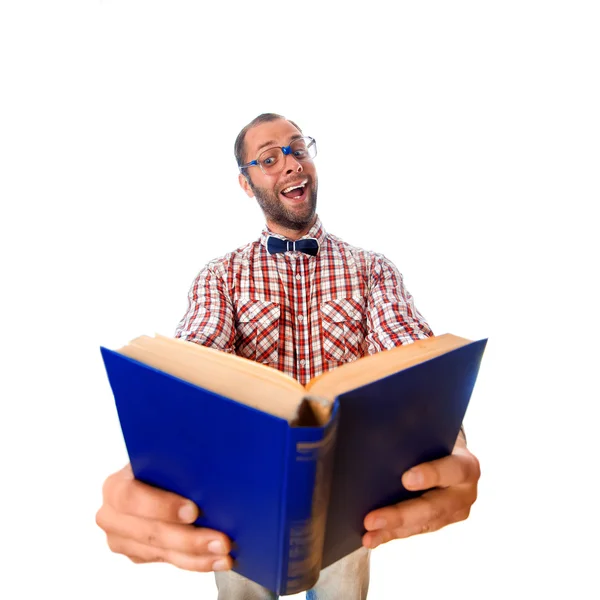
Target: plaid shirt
x,y
298,313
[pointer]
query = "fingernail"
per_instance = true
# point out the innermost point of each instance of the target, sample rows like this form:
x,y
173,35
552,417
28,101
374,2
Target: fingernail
x,y
188,512
217,547
220,565
378,523
413,478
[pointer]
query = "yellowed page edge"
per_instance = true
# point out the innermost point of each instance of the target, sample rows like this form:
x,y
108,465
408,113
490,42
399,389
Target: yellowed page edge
x,y
255,369
243,388
376,366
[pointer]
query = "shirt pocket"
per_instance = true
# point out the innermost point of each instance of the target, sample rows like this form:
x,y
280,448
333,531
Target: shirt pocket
x,y
343,329
257,330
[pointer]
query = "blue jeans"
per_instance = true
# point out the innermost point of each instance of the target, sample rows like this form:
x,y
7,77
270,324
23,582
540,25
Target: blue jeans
x,y
347,579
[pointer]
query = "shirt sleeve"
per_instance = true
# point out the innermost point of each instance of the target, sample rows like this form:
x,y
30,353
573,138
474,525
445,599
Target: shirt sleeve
x,y
392,318
209,319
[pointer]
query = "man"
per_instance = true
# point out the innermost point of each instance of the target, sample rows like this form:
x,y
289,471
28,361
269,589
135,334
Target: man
x,y
303,301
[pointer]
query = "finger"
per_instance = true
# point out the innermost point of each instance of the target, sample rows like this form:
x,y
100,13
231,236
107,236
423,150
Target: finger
x,y
372,539
434,505
144,553
167,536
129,496
419,528
456,469
431,522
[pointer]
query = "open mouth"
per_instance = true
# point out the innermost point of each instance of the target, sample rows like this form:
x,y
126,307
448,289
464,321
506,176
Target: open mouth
x,y
296,192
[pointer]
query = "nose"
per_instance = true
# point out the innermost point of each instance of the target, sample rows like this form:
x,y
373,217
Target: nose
x,y
291,165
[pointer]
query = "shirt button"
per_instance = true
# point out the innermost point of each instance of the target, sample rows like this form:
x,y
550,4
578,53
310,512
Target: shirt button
x,y
298,277
302,362
300,317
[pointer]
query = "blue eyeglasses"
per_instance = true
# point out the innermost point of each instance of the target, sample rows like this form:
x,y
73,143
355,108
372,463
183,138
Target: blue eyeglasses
x,y
271,161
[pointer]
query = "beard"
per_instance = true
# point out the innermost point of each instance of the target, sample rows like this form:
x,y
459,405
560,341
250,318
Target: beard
x,y
277,212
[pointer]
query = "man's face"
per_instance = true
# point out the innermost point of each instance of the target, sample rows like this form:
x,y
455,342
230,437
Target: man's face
x,y
286,210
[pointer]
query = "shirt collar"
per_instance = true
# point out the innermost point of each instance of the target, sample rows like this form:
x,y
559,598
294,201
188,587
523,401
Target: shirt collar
x,y
317,231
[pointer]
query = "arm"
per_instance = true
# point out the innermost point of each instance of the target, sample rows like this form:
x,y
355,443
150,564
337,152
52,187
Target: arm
x,y
209,319
392,318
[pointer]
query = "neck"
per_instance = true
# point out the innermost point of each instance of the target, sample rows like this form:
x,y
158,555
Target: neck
x,y
291,234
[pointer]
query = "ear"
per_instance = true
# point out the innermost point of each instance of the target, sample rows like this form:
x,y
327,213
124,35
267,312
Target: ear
x,y
245,186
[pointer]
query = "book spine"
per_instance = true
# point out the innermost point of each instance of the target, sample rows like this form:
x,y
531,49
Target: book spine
x,y
306,497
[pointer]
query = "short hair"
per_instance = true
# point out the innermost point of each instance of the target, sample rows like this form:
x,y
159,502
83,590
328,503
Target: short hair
x,y
240,142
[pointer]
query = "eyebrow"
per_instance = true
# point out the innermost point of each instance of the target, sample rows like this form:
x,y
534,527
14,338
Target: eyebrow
x,y
273,142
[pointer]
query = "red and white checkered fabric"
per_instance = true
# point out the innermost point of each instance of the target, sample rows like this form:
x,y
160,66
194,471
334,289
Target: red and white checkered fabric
x,y
301,314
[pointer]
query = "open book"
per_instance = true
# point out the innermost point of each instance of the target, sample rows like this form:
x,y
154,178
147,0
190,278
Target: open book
x,y
288,472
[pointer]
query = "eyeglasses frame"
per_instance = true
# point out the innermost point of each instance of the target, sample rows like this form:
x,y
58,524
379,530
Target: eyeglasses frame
x,y
285,149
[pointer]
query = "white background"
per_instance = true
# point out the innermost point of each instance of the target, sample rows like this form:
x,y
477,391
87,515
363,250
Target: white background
x,y
461,139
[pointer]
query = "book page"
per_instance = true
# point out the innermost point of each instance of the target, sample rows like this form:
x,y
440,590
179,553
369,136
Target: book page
x,y
240,363
376,366
320,408
225,374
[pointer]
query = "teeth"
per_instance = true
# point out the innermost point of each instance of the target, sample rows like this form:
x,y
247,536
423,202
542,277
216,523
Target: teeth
x,y
294,187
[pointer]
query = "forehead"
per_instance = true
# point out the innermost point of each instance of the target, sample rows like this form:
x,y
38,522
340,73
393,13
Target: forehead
x,y
277,133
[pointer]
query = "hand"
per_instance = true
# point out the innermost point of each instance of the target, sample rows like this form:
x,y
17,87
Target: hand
x,y
147,524
455,480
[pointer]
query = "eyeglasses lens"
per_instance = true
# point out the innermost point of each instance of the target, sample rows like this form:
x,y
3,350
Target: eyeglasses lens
x,y
272,160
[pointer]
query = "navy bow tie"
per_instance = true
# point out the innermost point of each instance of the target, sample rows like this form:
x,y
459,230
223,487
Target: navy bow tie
x,y
308,245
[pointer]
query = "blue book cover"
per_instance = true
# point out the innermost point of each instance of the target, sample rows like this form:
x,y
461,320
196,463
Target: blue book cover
x,y
387,427
292,498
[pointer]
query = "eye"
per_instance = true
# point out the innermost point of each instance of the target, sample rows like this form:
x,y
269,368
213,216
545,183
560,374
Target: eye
x,y
269,157
299,148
